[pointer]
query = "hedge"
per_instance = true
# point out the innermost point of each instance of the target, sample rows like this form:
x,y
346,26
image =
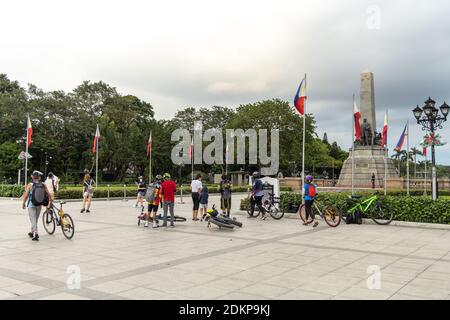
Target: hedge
x,y
71,192
412,209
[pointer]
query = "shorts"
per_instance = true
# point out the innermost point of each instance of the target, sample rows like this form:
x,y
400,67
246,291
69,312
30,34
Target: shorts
x,y
141,194
203,206
88,194
153,208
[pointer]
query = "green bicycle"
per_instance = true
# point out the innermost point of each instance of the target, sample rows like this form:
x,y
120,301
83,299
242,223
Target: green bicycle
x,y
372,207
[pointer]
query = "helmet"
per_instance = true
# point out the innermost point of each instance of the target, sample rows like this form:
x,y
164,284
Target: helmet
x,y
37,174
255,174
166,175
86,171
158,177
309,178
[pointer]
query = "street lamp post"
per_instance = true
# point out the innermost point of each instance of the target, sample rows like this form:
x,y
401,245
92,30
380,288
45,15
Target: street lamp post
x,y
432,121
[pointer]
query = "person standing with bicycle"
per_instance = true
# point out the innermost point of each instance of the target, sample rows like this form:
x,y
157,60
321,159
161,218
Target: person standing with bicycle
x,y
309,197
257,195
36,195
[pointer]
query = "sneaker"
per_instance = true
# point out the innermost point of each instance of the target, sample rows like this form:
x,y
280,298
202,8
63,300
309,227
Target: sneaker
x,y
146,224
82,210
134,206
30,234
155,226
35,238
88,211
172,226
264,217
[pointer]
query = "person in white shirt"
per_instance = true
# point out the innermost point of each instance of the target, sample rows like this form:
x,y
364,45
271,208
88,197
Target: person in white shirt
x,y
196,188
52,184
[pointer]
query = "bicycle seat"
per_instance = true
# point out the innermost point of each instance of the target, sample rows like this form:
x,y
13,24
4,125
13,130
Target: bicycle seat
x,y
61,202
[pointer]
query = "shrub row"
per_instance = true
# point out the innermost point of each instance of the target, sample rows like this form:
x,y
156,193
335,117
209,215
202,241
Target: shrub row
x,y
412,209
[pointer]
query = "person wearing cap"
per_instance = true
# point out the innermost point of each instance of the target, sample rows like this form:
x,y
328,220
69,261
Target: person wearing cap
x,y
34,210
141,184
310,193
168,189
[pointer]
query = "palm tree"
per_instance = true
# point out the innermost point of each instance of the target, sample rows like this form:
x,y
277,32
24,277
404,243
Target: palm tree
x,y
415,152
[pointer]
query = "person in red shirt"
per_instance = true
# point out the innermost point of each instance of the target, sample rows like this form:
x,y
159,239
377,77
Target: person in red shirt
x,y
168,188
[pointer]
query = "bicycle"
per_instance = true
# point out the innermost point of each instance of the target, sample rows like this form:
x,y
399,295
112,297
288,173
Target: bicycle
x,y
213,216
271,206
53,217
143,217
377,211
330,214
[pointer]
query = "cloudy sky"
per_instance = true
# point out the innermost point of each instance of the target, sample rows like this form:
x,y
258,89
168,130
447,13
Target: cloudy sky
x,y
202,53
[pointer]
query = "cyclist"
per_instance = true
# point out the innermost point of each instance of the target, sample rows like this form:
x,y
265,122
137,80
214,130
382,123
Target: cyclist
x,y
168,188
36,195
257,195
154,198
225,195
88,191
309,197
141,191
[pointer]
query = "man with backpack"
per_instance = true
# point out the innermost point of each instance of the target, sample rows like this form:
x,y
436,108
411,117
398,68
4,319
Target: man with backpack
x,y
309,197
36,195
225,195
153,197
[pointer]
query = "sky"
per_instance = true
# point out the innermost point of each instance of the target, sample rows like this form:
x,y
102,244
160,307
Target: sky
x,y
199,53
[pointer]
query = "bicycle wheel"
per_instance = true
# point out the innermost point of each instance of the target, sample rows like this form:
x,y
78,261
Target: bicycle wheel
x,y
221,224
180,219
382,214
67,226
276,213
255,214
49,222
302,214
232,221
332,216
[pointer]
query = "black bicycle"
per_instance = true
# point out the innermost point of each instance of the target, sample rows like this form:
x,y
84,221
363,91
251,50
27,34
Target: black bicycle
x,y
53,217
272,206
159,217
213,216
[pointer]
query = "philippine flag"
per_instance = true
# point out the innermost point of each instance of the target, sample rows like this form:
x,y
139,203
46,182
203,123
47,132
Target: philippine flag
x,y
385,129
149,145
357,117
29,132
300,97
95,145
401,141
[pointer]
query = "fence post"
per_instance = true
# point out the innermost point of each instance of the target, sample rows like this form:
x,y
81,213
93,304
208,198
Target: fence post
x,y
124,192
108,192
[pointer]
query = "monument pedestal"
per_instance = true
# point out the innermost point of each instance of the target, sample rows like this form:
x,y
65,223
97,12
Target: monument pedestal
x,y
368,160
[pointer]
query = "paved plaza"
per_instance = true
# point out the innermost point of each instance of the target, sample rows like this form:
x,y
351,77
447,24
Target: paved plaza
x,y
263,260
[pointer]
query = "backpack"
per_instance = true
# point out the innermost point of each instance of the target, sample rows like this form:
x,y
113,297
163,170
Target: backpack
x,y
39,196
312,191
226,190
358,217
354,218
150,194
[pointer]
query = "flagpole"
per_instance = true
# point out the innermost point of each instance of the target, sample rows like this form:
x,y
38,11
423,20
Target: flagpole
x,y
353,146
192,158
150,159
26,154
96,158
303,146
407,159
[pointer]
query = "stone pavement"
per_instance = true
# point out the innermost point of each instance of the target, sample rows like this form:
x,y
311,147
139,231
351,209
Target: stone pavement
x,y
263,260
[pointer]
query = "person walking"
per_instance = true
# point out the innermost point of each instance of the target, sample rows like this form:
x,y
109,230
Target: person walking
x,y
168,188
141,184
257,195
225,195
36,195
52,184
309,197
204,195
88,191
196,188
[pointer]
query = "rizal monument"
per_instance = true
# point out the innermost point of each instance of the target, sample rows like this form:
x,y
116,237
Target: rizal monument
x,y
370,157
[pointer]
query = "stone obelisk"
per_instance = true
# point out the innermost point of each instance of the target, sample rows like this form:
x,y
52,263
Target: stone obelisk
x,y
369,160
367,96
